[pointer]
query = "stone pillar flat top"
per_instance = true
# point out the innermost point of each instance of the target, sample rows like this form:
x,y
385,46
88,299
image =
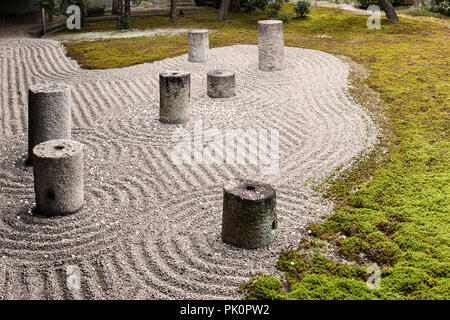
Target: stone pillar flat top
x,y
48,87
174,74
250,190
198,31
59,148
220,73
270,22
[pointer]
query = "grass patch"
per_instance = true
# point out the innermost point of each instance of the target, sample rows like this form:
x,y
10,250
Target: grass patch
x,y
393,207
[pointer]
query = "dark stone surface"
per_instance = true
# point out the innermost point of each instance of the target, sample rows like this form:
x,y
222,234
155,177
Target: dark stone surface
x,y
174,96
58,177
221,84
49,114
249,217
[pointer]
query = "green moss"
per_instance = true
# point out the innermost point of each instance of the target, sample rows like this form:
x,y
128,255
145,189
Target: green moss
x,y
409,282
384,253
376,237
263,288
115,53
321,287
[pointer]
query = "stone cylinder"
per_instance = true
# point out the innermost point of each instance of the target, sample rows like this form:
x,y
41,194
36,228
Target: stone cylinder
x,y
198,45
58,177
221,84
174,96
249,218
49,114
270,45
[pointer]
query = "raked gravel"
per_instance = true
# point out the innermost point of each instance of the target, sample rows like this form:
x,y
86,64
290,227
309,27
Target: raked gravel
x,y
150,229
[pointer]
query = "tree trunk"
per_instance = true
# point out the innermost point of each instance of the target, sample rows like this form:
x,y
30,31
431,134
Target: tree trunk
x,y
223,10
389,10
173,11
44,29
119,13
127,7
235,6
115,7
417,3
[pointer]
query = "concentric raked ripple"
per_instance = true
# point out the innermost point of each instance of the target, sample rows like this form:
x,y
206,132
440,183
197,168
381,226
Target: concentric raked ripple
x,y
28,237
150,227
41,249
184,251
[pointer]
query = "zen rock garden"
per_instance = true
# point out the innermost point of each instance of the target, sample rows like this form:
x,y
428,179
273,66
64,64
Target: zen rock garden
x,y
249,208
179,151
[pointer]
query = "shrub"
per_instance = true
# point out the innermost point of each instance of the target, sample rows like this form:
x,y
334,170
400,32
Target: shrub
x,y
440,6
284,16
402,2
275,5
365,3
301,8
258,5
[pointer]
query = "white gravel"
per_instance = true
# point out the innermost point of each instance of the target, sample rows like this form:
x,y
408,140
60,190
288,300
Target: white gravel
x,y
151,229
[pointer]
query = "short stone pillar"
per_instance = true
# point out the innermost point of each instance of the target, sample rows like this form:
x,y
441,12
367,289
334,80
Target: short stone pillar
x,y
58,177
174,96
249,217
49,114
270,45
198,45
220,84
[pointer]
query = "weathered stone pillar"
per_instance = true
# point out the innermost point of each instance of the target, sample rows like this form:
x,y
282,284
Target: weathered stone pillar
x,y
249,217
174,96
270,45
198,45
221,84
49,114
58,177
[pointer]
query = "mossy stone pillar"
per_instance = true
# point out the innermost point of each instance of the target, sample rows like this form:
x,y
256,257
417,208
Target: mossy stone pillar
x,y
220,84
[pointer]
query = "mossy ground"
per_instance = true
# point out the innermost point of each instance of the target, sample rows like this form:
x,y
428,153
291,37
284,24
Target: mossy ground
x,y
391,209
